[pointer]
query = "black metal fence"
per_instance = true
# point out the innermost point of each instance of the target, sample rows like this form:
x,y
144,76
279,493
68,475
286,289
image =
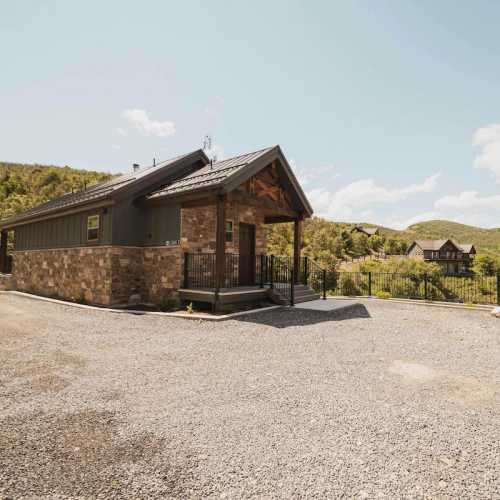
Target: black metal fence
x,y
265,270
200,270
474,289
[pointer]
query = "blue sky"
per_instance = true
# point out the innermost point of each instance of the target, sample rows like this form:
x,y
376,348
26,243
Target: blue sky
x,y
388,110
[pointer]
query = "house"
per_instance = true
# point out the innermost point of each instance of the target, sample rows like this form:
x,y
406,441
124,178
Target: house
x,y
453,257
369,231
186,227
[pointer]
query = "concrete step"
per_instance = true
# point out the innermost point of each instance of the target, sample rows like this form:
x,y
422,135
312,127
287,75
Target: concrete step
x,y
305,291
307,298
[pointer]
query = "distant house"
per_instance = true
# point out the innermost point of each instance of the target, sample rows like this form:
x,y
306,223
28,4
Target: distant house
x,y
369,231
453,257
186,227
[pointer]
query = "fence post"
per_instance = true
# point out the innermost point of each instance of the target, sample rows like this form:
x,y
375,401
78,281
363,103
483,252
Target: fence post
x,y
426,291
272,272
305,271
369,283
292,287
262,270
324,284
498,289
186,270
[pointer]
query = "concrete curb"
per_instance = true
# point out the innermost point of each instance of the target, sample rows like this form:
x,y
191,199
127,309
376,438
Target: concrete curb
x,y
183,315
445,305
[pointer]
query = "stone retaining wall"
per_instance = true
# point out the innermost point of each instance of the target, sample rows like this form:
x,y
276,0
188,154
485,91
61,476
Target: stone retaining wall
x,y
99,275
6,282
69,273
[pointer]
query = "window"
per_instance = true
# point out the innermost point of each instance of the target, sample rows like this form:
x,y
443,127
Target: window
x,y
229,230
92,228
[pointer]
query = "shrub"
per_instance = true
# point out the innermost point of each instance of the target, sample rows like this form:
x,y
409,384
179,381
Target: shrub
x,y
383,295
189,308
168,304
348,286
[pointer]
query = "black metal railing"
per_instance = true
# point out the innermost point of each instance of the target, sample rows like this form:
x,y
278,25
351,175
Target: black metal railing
x,y
313,275
281,276
199,270
265,271
467,289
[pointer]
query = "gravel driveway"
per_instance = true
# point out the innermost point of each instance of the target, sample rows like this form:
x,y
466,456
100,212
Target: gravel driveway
x,y
387,400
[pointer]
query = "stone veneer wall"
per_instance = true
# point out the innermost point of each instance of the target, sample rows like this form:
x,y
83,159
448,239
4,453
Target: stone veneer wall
x,y
70,273
162,269
198,226
104,275
6,282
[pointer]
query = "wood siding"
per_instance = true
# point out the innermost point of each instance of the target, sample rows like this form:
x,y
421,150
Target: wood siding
x,y
124,224
63,232
134,225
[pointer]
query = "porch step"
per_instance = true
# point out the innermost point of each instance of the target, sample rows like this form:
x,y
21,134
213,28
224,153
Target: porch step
x,y
307,298
301,293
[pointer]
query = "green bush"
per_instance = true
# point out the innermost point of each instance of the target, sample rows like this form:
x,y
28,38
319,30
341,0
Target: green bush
x,y
382,295
168,304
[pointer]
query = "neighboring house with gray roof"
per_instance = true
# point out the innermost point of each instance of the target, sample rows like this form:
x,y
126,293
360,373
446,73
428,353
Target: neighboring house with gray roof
x,y
368,231
453,257
181,225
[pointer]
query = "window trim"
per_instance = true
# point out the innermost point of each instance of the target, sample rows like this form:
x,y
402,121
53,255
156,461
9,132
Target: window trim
x,y
226,232
98,216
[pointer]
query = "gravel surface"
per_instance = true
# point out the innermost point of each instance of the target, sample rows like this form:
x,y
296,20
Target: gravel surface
x,y
384,400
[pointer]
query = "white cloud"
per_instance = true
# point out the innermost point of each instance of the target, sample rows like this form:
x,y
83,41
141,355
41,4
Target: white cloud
x,y
116,146
488,140
360,195
397,222
120,131
307,176
140,119
468,200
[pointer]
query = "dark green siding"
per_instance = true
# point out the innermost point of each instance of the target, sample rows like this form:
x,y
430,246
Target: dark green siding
x,y
151,226
163,223
123,224
62,232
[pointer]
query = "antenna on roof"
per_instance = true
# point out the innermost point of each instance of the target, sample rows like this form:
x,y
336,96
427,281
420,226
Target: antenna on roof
x,y
207,147
135,167
154,162
207,143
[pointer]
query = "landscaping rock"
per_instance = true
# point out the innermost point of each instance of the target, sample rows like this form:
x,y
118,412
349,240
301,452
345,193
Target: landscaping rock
x,y
496,312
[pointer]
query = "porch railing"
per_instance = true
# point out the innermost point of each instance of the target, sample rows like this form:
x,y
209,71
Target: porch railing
x,y
313,276
265,271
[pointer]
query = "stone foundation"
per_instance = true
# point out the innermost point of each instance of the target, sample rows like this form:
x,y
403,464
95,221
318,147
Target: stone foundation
x,y
6,282
99,275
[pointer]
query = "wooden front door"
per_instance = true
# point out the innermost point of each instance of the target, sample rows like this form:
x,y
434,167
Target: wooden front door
x,y
246,269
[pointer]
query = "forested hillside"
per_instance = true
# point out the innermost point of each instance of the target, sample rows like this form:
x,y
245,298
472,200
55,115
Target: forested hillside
x,y
328,241
484,239
24,186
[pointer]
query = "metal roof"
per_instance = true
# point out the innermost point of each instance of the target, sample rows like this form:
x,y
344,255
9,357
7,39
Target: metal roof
x,y
368,230
435,245
210,175
96,192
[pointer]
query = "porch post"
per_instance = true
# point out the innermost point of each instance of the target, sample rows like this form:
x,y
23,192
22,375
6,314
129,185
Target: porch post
x,y
3,251
220,247
297,240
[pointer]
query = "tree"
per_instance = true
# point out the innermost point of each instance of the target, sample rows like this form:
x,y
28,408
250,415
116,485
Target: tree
x,y
486,265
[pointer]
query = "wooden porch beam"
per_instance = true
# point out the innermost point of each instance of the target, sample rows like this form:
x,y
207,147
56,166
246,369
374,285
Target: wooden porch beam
x,y
297,243
3,251
220,246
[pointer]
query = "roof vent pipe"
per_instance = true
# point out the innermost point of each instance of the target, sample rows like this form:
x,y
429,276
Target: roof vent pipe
x,y
135,167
